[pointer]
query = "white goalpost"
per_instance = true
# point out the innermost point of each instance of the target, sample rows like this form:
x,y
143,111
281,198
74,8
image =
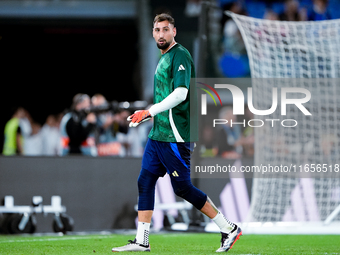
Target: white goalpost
x,y
295,55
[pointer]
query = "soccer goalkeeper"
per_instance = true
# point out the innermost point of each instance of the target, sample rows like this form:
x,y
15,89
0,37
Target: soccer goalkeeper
x,y
169,146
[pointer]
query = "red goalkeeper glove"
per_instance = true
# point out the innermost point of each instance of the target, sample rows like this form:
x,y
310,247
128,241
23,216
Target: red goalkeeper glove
x,y
138,117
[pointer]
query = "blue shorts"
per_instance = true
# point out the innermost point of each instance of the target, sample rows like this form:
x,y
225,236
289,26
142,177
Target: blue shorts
x,y
164,157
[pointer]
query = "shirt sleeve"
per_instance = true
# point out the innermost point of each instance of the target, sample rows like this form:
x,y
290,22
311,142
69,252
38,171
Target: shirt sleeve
x,y
181,70
175,98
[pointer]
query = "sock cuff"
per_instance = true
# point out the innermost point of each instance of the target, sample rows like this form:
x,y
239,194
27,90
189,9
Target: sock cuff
x,y
144,224
217,215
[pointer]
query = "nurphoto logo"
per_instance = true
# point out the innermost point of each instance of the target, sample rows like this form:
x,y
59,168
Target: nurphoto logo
x,y
238,104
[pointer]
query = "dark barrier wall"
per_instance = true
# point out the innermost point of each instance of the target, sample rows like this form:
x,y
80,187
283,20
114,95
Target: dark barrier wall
x,y
99,193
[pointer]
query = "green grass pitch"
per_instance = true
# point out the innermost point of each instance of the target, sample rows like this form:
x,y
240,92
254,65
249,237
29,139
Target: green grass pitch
x,y
171,243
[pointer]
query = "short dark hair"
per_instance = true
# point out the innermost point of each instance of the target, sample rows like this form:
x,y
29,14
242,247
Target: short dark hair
x,y
164,16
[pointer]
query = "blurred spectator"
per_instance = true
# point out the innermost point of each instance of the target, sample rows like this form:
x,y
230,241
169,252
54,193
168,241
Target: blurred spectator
x,y
291,12
271,15
233,6
76,127
132,141
107,126
33,140
234,61
207,146
328,147
13,143
193,8
227,137
319,11
51,135
232,38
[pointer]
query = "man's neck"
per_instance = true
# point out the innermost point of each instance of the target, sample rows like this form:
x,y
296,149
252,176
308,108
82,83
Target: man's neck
x,y
170,46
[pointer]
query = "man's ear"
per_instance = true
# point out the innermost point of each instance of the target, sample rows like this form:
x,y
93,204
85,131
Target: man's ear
x,y
175,31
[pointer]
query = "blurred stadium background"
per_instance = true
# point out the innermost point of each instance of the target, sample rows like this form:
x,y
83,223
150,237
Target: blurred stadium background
x,y
52,50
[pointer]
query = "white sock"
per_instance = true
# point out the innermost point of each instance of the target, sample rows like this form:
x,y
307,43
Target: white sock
x,y
223,223
142,236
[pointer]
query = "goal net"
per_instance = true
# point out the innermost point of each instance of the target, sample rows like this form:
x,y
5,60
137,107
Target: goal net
x,y
295,55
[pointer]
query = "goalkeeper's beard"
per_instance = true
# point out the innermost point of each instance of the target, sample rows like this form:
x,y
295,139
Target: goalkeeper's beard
x,y
164,46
